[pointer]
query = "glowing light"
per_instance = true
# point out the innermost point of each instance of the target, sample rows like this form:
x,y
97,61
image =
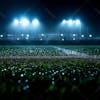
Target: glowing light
x,y
62,39
22,35
27,35
63,73
42,34
1,36
90,35
64,21
70,22
41,39
35,22
82,35
74,34
17,38
73,38
27,38
26,80
19,81
77,22
62,34
24,21
16,21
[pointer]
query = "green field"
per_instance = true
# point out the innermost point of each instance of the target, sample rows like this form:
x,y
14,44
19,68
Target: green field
x,y
89,49
42,50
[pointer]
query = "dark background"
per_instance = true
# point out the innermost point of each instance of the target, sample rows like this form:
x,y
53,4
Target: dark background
x,y
51,12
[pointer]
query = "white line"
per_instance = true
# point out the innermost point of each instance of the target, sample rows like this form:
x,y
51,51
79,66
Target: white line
x,y
71,52
48,57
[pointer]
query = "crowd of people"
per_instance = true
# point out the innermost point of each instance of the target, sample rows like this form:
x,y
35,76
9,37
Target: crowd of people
x,y
50,79
6,51
47,79
30,51
91,50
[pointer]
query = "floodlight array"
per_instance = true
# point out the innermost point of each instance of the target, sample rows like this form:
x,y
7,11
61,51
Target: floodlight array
x,y
25,22
71,22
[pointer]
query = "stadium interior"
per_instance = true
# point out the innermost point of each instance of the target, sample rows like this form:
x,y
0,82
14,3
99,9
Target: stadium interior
x,y
47,55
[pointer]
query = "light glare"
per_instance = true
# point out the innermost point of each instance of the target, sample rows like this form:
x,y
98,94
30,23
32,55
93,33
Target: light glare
x,y
16,22
74,34
24,22
42,34
35,22
77,22
64,21
70,22
82,35
90,35
1,35
62,34
27,35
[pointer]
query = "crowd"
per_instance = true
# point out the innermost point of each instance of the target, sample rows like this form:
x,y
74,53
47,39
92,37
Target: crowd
x,y
50,79
47,79
91,50
30,51
6,51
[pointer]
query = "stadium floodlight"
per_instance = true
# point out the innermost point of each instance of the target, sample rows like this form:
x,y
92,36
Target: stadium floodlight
x,y
77,22
35,22
74,39
62,39
90,35
82,35
17,38
64,21
74,34
1,35
62,34
27,35
16,21
70,22
24,21
42,34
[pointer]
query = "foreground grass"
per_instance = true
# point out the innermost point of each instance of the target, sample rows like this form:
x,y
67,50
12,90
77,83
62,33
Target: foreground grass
x,y
44,79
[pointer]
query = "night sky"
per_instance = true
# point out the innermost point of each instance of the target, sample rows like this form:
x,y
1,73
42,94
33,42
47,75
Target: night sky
x,y
51,12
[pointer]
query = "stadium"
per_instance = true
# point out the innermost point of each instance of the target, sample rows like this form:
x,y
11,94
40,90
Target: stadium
x,y
49,55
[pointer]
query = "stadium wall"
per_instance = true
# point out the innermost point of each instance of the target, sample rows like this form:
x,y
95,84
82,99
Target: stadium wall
x,y
32,42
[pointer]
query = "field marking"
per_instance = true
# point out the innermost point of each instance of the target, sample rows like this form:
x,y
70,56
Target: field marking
x,y
49,57
71,52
